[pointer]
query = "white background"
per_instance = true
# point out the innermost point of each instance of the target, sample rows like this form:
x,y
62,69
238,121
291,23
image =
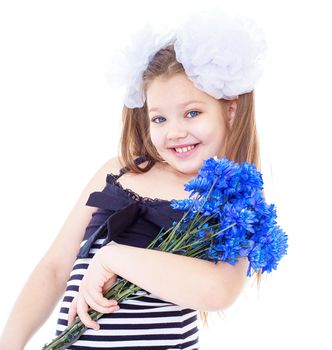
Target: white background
x,y
60,121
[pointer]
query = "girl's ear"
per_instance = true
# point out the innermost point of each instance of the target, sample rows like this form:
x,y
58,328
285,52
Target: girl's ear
x,y
231,110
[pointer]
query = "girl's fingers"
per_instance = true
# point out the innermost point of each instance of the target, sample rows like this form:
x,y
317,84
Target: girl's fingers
x,y
100,303
109,283
72,311
82,311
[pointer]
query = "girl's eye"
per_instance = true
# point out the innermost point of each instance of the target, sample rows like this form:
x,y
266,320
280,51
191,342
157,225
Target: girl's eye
x,y
155,118
193,112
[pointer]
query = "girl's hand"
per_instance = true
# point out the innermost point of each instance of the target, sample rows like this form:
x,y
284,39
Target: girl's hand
x,y
96,281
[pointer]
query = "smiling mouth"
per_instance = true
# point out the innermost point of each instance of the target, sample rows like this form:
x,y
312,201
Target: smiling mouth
x,y
186,153
193,144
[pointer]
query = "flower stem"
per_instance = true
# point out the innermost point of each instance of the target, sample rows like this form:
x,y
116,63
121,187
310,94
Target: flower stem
x,y
71,334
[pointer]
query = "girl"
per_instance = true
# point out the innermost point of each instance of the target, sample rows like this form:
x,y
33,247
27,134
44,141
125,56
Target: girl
x,y
189,97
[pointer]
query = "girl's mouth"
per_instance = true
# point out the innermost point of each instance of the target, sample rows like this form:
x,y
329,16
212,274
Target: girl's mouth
x,y
185,154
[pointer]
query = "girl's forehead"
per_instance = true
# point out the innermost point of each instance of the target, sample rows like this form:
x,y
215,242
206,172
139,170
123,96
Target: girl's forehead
x,y
178,89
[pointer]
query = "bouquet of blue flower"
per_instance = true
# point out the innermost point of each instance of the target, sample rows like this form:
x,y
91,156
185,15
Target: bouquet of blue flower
x,y
226,218
229,218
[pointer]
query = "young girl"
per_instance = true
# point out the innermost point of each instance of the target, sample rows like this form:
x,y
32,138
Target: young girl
x,y
189,97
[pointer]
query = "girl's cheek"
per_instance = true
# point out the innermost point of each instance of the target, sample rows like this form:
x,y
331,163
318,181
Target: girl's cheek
x,y
156,137
153,139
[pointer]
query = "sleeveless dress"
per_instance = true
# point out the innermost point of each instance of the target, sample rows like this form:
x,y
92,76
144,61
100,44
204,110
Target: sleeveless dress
x,y
148,322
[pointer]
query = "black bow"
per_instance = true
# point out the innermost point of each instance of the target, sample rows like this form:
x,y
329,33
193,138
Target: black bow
x,y
127,212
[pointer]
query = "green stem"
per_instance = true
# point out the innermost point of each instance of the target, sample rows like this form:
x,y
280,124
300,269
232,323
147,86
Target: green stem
x,y
173,230
71,334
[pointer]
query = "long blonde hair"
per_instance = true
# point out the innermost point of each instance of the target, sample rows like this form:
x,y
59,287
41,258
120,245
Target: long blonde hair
x,y
241,142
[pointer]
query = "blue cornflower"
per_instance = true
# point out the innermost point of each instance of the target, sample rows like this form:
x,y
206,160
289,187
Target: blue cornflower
x,y
231,194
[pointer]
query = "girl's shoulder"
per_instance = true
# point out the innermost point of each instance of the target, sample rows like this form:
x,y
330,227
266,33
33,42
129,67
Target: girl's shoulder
x,y
114,166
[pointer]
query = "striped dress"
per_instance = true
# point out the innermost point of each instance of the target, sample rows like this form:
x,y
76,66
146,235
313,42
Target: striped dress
x,y
148,322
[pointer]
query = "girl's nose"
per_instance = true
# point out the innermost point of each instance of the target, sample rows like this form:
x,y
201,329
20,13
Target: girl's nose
x,y
176,130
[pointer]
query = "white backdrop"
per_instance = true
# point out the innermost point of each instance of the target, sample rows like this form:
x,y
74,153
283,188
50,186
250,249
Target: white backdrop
x,y
60,122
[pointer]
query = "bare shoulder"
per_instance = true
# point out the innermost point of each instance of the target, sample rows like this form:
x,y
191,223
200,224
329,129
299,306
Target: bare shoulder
x,y
113,165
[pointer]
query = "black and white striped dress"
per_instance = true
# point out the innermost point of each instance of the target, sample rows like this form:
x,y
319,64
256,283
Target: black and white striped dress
x,y
148,322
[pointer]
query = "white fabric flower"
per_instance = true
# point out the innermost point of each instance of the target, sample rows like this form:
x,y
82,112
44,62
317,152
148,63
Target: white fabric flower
x,y
220,54
128,65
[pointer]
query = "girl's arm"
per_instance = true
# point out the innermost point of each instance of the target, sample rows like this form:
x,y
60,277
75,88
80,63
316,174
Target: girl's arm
x,y
48,280
189,282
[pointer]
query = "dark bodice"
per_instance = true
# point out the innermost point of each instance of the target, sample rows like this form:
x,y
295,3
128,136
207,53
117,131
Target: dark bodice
x,y
125,217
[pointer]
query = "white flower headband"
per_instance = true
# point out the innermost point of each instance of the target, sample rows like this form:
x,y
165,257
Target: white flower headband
x,y
220,55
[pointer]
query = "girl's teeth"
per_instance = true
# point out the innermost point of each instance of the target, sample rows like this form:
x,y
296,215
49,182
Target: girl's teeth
x,y
185,149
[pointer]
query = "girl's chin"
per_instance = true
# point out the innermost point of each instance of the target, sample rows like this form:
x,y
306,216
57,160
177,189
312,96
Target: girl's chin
x,y
188,171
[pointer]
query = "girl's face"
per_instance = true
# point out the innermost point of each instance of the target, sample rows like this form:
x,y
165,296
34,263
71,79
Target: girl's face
x,y
176,120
